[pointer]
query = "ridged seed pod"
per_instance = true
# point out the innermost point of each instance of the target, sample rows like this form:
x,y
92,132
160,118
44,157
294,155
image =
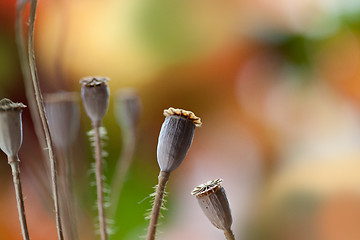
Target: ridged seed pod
x,y
63,113
11,135
175,138
10,142
128,108
95,96
213,201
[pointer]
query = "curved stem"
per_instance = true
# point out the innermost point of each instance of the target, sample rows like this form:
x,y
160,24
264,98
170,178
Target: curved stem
x,y
14,163
99,182
163,179
29,89
229,235
41,109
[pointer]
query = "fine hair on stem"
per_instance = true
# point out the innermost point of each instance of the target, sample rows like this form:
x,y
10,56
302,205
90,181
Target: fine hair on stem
x,y
155,213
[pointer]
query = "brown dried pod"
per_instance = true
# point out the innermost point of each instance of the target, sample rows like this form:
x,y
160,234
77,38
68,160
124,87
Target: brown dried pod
x,y
175,138
213,201
95,96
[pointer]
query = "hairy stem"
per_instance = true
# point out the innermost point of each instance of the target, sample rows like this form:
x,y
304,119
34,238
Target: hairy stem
x,y
44,122
229,235
163,179
122,168
99,182
14,163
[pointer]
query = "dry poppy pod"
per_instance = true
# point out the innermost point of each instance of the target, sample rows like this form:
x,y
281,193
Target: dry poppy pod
x,y
213,201
127,108
10,127
63,113
95,96
175,138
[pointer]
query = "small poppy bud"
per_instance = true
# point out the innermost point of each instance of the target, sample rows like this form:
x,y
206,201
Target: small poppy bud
x,y
95,96
213,201
127,108
11,135
175,138
63,113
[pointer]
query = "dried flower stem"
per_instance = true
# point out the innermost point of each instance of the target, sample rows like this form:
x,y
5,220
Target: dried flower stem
x,y
99,182
72,198
67,197
42,179
41,109
14,163
163,179
229,235
29,89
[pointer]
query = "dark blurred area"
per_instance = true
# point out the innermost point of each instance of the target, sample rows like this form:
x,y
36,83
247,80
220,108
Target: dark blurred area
x,y
276,84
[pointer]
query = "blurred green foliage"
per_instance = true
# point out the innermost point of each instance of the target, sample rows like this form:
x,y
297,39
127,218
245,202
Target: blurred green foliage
x,y
165,29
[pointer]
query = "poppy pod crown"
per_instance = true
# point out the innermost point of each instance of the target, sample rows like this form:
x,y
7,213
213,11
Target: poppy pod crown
x,y
213,201
175,137
95,96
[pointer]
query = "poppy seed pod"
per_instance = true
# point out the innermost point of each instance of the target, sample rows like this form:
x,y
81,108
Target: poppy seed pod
x,y
175,138
10,127
213,201
95,96
63,113
127,108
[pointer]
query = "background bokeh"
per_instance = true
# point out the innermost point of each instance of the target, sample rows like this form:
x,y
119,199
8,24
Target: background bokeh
x,y
276,84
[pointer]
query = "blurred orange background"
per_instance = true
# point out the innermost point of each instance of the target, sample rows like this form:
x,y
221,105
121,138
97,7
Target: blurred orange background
x,y
276,84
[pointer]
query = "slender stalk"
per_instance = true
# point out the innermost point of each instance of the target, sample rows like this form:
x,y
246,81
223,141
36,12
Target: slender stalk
x,y
44,122
163,179
229,235
71,200
99,182
14,163
29,89
122,168
41,178
67,198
